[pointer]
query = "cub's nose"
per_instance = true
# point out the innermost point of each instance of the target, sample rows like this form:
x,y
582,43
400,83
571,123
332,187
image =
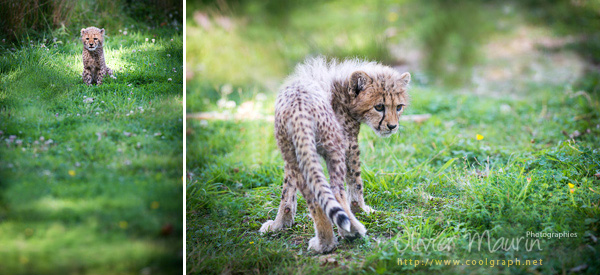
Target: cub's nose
x,y
91,45
391,127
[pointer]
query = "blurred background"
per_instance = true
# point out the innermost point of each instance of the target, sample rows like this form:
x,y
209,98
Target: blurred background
x,y
38,18
474,46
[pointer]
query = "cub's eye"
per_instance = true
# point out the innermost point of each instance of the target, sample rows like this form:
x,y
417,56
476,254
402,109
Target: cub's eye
x,y
87,38
95,38
379,107
399,108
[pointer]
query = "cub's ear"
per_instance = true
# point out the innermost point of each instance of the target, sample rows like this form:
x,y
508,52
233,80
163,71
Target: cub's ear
x,y
358,81
82,32
102,32
405,78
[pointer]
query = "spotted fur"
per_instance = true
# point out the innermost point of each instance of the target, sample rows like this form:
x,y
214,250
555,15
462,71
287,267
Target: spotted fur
x,y
318,114
94,65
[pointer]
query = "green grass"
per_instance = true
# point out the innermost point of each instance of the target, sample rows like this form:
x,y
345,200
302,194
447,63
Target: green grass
x,y
92,187
434,182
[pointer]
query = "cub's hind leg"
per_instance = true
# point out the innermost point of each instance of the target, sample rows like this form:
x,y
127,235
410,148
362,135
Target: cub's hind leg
x,y
287,206
292,176
336,165
324,208
324,240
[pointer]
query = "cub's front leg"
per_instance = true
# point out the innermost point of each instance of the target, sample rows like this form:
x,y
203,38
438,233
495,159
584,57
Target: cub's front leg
x,y
100,77
106,71
87,76
353,179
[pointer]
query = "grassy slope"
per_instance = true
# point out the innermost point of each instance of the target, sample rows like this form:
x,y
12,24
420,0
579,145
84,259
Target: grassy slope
x,y
433,181
87,187
236,187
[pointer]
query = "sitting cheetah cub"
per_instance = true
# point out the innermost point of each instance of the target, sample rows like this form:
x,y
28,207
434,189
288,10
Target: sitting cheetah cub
x,y
94,66
318,112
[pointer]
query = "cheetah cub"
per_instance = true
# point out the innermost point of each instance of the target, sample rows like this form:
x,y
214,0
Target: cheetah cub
x,y
94,66
318,112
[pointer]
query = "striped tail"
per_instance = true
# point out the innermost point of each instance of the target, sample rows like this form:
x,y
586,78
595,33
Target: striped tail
x,y
308,159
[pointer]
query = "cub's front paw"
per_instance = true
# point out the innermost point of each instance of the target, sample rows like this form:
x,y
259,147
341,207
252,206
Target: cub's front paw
x,y
367,209
270,226
357,207
357,230
322,246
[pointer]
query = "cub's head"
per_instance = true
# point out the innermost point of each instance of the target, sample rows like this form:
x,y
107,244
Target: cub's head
x,y
92,38
379,100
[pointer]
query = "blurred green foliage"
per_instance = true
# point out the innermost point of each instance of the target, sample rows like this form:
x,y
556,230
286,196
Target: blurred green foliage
x,y
31,19
449,34
576,18
451,39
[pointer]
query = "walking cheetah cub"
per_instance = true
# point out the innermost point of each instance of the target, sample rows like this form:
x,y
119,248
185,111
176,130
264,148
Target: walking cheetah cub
x,y
318,112
94,66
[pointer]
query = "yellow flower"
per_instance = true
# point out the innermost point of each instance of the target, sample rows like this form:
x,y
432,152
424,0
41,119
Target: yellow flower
x,y
571,186
251,242
155,205
72,173
479,137
23,260
123,224
572,191
392,17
